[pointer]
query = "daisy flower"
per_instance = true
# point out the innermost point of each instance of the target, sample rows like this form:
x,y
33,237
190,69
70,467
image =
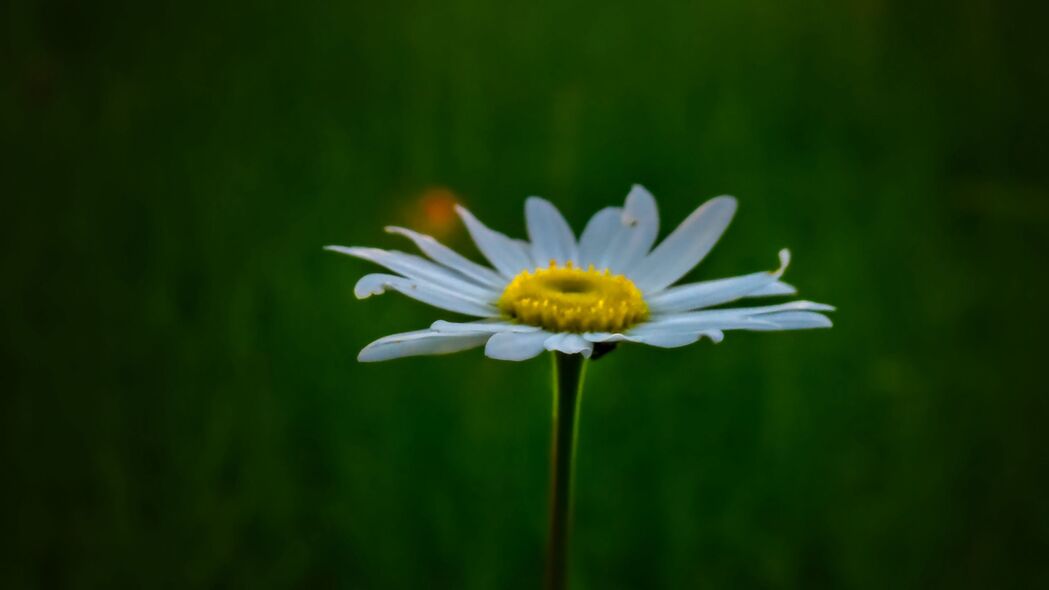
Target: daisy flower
x,y
576,298
555,292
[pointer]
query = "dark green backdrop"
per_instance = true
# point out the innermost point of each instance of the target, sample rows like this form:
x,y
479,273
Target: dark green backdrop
x,y
182,406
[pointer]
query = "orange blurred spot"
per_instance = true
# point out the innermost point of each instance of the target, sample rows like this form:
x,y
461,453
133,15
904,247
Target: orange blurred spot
x,y
434,211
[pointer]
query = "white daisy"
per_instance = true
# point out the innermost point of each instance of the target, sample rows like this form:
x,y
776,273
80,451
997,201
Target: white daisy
x,y
554,292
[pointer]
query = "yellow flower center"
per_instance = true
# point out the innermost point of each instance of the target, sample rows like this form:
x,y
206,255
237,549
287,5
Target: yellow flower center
x,y
570,299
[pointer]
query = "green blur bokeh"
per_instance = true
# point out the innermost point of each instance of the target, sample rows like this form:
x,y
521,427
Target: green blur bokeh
x,y
182,405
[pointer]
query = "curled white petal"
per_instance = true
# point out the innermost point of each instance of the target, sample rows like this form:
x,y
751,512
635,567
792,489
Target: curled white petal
x,y
569,344
686,246
709,293
419,343
550,234
372,284
507,255
716,336
515,346
378,283
450,258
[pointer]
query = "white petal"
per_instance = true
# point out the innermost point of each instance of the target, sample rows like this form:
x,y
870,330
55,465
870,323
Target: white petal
x,y
686,246
452,259
419,343
734,318
606,337
569,344
669,335
774,289
378,283
661,339
507,255
773,322
710,293
513,346
798,320
420,270
489,326
699,324
672,335
716,336
788,306
634,235
677,340
597,235
372,284
551,237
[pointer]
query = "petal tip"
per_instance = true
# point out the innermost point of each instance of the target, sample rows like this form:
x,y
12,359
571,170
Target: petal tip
x,y
715,336
637,190
367,355
805,305
784,262
355,251
728,201
368,286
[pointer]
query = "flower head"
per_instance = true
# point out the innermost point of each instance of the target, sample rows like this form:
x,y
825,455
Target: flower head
x,y
557,293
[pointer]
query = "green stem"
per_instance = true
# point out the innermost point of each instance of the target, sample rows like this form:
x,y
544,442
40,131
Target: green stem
x,y
569,370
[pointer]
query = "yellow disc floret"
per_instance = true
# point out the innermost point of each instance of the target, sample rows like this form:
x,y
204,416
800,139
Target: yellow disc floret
x,y
570,299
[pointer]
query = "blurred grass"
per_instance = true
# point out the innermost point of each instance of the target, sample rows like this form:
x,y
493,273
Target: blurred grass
x,y
183,407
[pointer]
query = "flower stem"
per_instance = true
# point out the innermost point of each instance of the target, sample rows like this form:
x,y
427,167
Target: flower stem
x,y
569,370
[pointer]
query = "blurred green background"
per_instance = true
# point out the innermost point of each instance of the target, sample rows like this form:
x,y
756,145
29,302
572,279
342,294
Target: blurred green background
x,y
182,406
